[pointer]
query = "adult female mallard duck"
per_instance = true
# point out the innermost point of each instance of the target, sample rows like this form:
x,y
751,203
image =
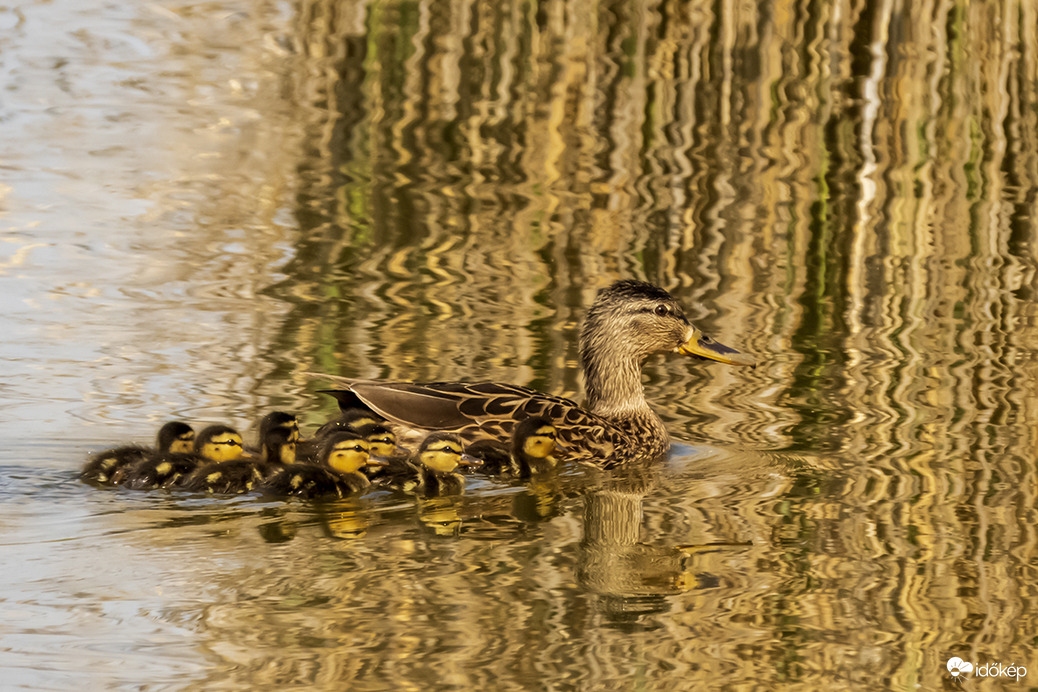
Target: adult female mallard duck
x,y
174,437
343,455
242,475
628,321
217,443
532,453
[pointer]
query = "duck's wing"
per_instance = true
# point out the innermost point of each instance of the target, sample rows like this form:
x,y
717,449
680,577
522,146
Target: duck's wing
x,y
484,410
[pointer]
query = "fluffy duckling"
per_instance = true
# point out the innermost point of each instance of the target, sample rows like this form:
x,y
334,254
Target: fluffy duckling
x,y
242,475
218,443
381,440
175,437
279,419
532,453
310,451
433,470
534,447
273,421
349,419
338,475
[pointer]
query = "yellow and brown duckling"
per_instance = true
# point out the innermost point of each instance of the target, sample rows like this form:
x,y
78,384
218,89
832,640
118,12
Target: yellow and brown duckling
x,y
433,469
174,437
532,453
217,443
275,420
348,420
628,322
337,474
381,439
245,474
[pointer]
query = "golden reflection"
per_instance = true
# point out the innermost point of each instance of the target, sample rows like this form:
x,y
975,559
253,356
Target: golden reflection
x,y
844,188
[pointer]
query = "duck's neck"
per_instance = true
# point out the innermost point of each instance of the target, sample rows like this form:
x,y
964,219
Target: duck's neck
x,y
613,383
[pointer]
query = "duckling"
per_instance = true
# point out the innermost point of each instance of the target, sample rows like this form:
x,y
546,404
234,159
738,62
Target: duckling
x,y
432,472
338,475
532,454
348,420
628,322
272,421
215,443
242,475
174,437
279,419
381,440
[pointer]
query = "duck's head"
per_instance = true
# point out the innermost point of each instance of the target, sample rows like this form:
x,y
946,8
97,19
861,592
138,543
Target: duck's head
x,y
533,443
279,446
631,320
176,437
345,452
219,443
440,452
279,420
381,440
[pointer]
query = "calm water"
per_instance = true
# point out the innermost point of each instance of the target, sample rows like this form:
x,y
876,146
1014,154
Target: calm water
x,y
200,202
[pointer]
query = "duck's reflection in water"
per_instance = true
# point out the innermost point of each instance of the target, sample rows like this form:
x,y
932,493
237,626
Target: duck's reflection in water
x,y
633,578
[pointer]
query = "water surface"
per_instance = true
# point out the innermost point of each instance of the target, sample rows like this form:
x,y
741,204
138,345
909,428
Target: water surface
x,y
201,202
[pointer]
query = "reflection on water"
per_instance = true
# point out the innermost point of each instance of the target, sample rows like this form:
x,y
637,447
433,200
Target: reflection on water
x,y
434,190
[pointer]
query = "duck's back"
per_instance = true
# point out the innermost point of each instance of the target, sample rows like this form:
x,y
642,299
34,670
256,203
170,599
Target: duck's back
x,y
491,410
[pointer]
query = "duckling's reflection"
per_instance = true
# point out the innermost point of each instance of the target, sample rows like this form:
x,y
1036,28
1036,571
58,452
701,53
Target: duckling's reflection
x,y
277,528
345,520
633,578
540,501
441,515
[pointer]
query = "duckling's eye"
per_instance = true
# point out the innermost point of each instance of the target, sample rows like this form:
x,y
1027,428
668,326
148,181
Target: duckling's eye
x,y
662,310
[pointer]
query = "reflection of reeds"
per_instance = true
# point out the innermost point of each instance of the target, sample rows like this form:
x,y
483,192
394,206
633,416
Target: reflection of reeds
x,y
846,189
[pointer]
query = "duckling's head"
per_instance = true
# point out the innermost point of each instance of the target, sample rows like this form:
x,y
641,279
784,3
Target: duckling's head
x,y
279,419
533,443
176,437
349,419
345,452
279,446
440,452
381,440
634,319
219,443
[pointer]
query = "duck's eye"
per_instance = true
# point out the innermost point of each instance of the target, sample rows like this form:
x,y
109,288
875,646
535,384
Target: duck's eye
x,y
662,310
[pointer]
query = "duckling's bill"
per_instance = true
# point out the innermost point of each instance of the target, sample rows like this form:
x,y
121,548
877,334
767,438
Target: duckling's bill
x,y
702,346
467,459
